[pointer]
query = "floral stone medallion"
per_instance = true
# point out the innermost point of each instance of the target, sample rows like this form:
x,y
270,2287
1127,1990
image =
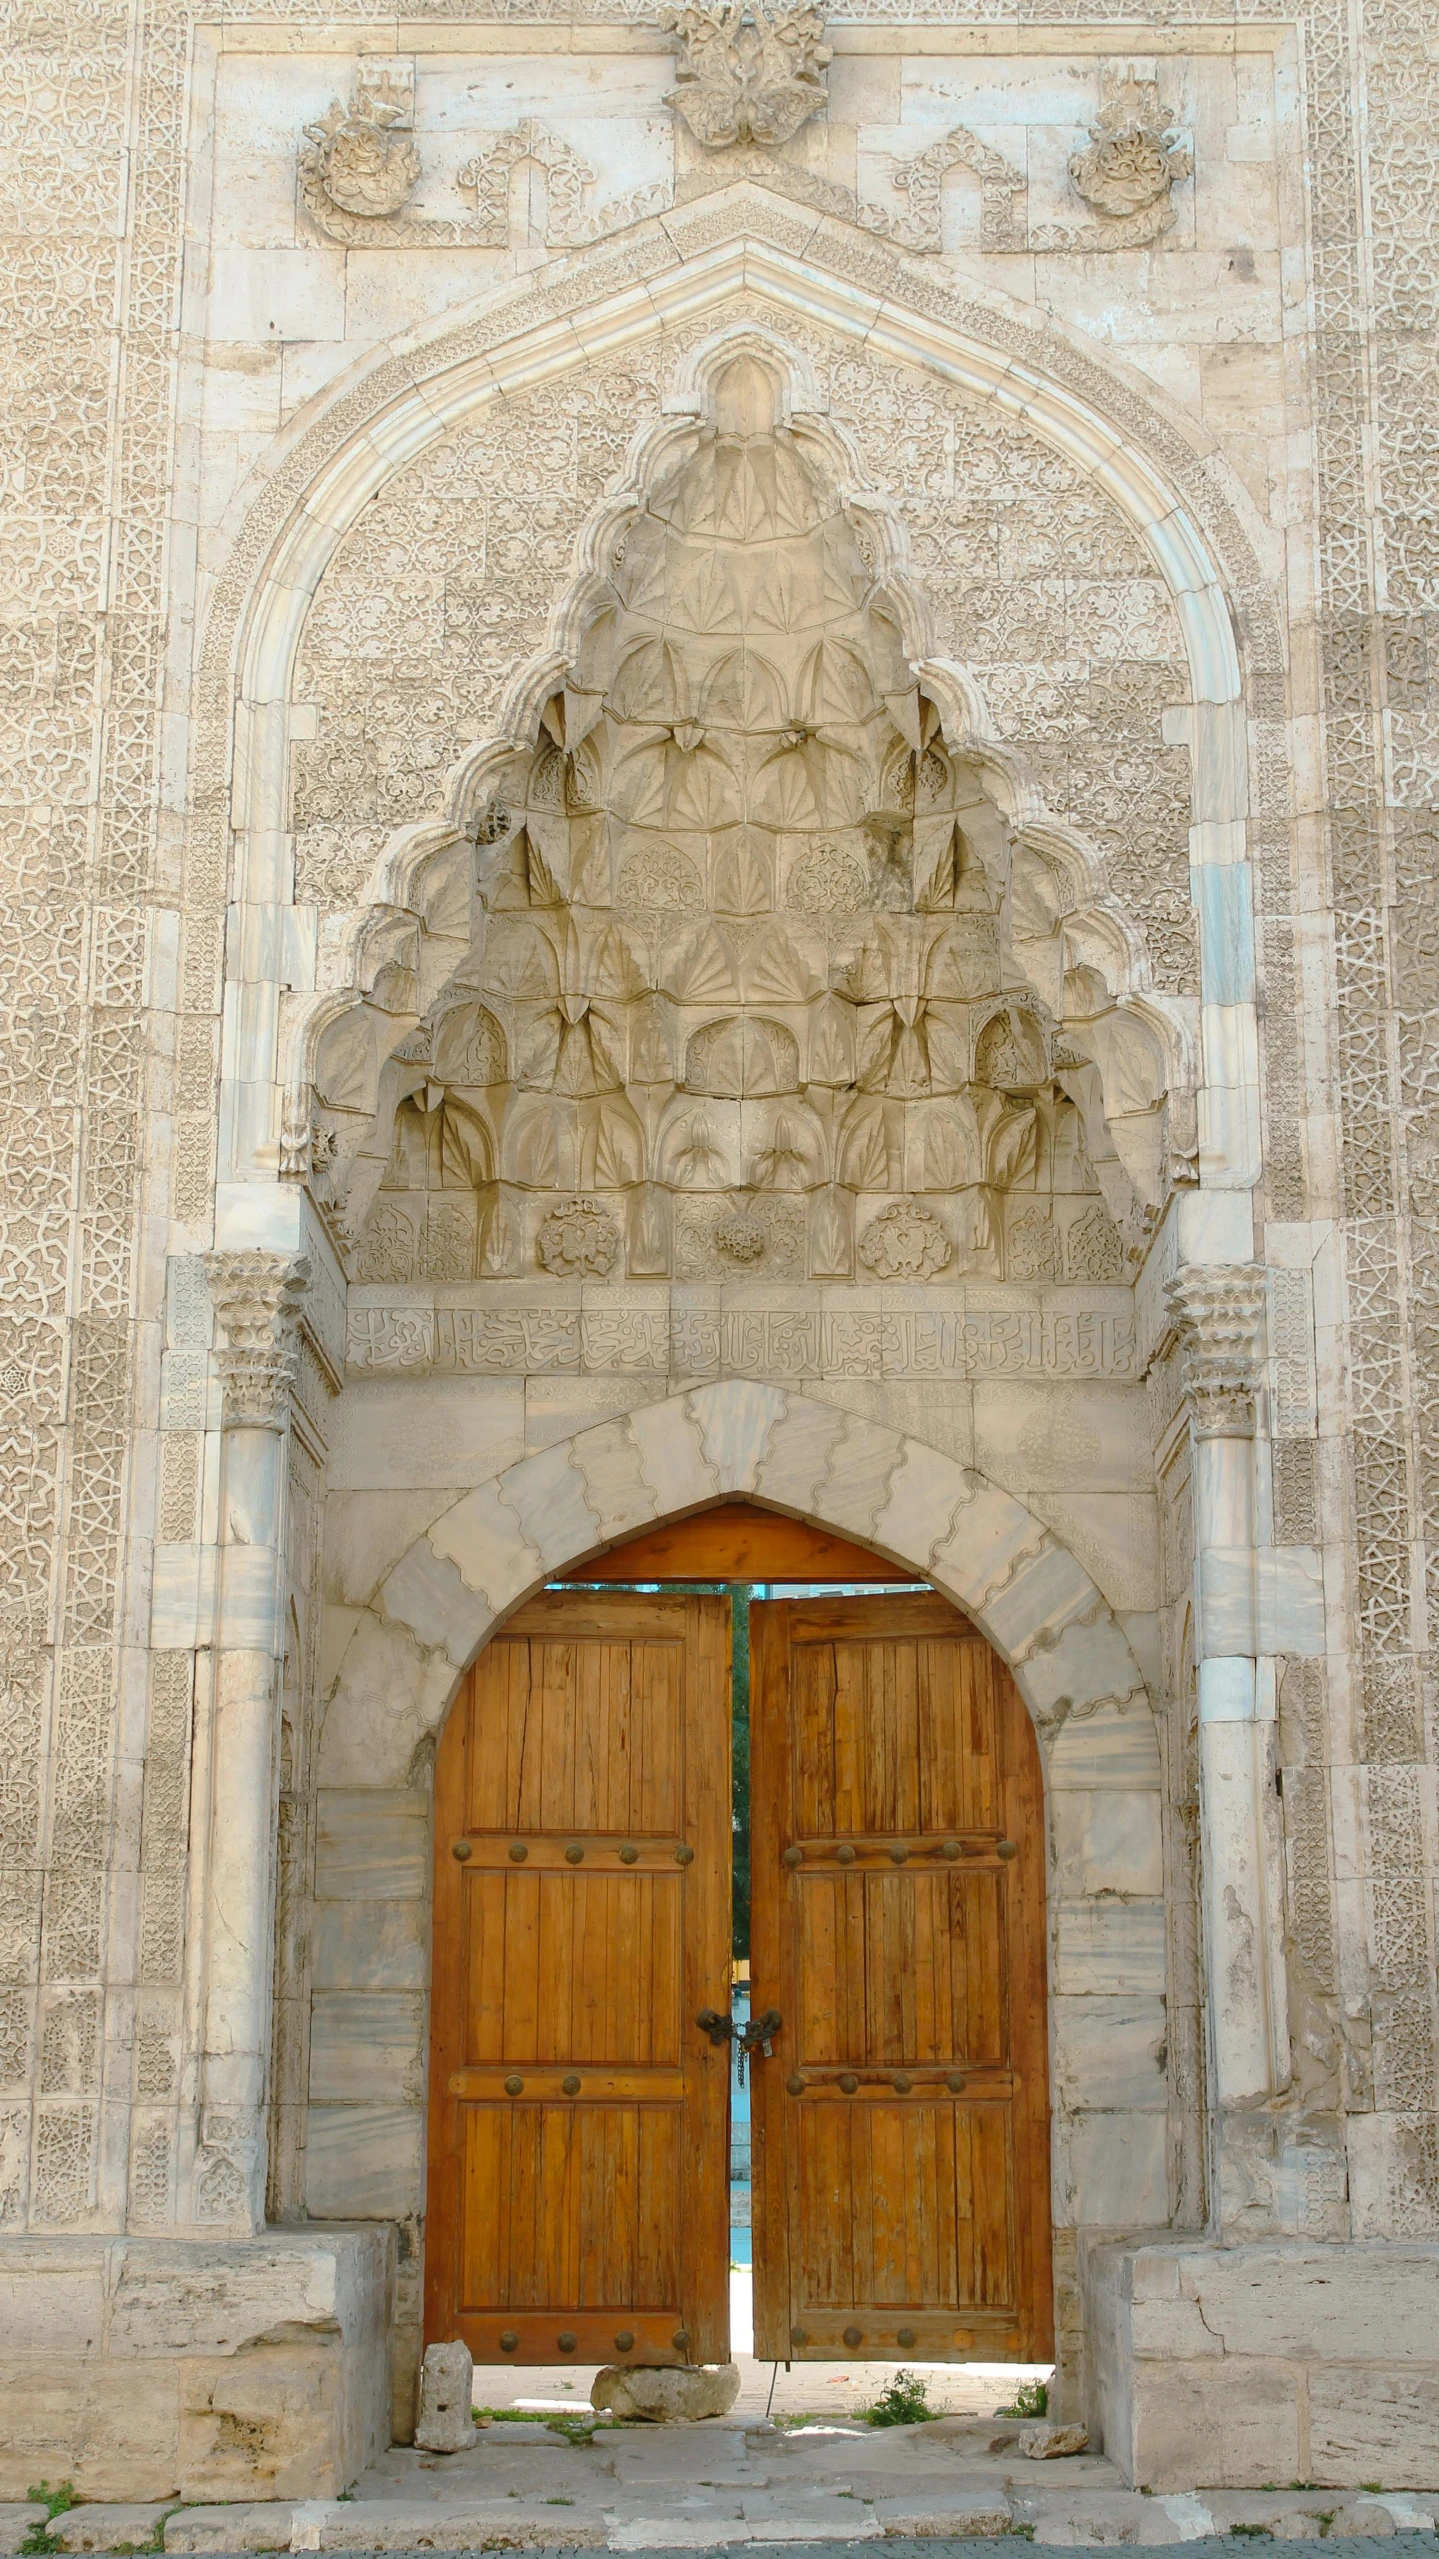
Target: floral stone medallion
x,y
578,1240
906,1241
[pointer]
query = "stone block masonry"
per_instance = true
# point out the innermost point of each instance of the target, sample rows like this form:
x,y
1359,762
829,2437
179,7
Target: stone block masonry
x,y
195,2368
1264,2363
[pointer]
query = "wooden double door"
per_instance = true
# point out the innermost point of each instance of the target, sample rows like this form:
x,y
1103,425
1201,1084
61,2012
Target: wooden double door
x,y
579,2112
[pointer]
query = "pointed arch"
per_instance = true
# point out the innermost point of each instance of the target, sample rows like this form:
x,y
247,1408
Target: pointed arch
x,y
540,1517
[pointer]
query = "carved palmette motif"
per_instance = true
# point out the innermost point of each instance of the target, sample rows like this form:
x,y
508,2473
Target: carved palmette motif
x,y
749,72
1132,161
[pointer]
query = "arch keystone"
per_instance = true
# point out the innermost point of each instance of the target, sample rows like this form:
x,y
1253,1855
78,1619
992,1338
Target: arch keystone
x,y
736,1421
799,1453
615,1484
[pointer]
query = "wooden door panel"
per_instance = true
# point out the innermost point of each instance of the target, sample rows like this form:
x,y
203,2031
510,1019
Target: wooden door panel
x,y
578,2196
592,1746
899,1968
565,1966
901,2130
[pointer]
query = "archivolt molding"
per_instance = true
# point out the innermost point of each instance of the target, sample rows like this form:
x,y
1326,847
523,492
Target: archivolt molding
x,y
545,1515
401,406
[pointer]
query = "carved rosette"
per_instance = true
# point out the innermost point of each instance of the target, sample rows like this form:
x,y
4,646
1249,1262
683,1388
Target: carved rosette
x,y
1133,160
363,161
257,1298
905,1242
578,1240
1218,1318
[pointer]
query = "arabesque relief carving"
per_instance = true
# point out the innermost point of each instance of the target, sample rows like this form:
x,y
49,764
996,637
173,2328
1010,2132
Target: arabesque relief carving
x,y
360,163
767,972
1133,160
749,71
359,166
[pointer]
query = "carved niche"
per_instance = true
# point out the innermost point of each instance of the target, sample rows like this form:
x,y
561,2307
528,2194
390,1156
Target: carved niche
x,y
758,977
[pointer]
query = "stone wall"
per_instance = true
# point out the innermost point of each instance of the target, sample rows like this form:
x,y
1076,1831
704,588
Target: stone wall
x,y
1251,2362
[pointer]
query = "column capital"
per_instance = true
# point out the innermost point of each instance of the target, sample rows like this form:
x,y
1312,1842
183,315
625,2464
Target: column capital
x,y
257,1298
1216,1314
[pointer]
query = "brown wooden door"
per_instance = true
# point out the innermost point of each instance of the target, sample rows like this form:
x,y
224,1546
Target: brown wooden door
x,y
901,2149
579,2119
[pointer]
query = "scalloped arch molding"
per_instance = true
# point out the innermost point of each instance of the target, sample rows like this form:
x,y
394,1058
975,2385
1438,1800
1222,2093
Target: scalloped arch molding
x,y
601,299
503,1540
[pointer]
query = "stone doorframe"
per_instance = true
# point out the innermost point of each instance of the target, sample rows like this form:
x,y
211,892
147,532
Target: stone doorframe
x,y
493,1547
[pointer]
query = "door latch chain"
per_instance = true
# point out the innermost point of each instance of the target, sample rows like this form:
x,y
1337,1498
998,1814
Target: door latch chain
x,y
757,2036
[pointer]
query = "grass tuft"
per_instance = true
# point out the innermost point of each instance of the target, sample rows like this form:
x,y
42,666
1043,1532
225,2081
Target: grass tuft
x,y
56,2501
904,2402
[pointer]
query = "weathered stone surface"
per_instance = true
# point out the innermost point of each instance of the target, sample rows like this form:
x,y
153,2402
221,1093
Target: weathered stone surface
x,y
103,2527
980,2434
976,2519
203,2529
1052,2443
1194,2424
469,2525
671,2396
1204,2355
444,2423
1375,2422
209,2369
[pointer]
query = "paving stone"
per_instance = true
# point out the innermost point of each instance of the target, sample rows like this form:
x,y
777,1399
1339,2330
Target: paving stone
x,y
1104,2518
16,2524
375,2526
682,2532
206,2528
970,2521
102,2527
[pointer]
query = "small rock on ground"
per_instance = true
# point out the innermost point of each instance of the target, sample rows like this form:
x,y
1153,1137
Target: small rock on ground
x,y
1052,2443
667,2395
